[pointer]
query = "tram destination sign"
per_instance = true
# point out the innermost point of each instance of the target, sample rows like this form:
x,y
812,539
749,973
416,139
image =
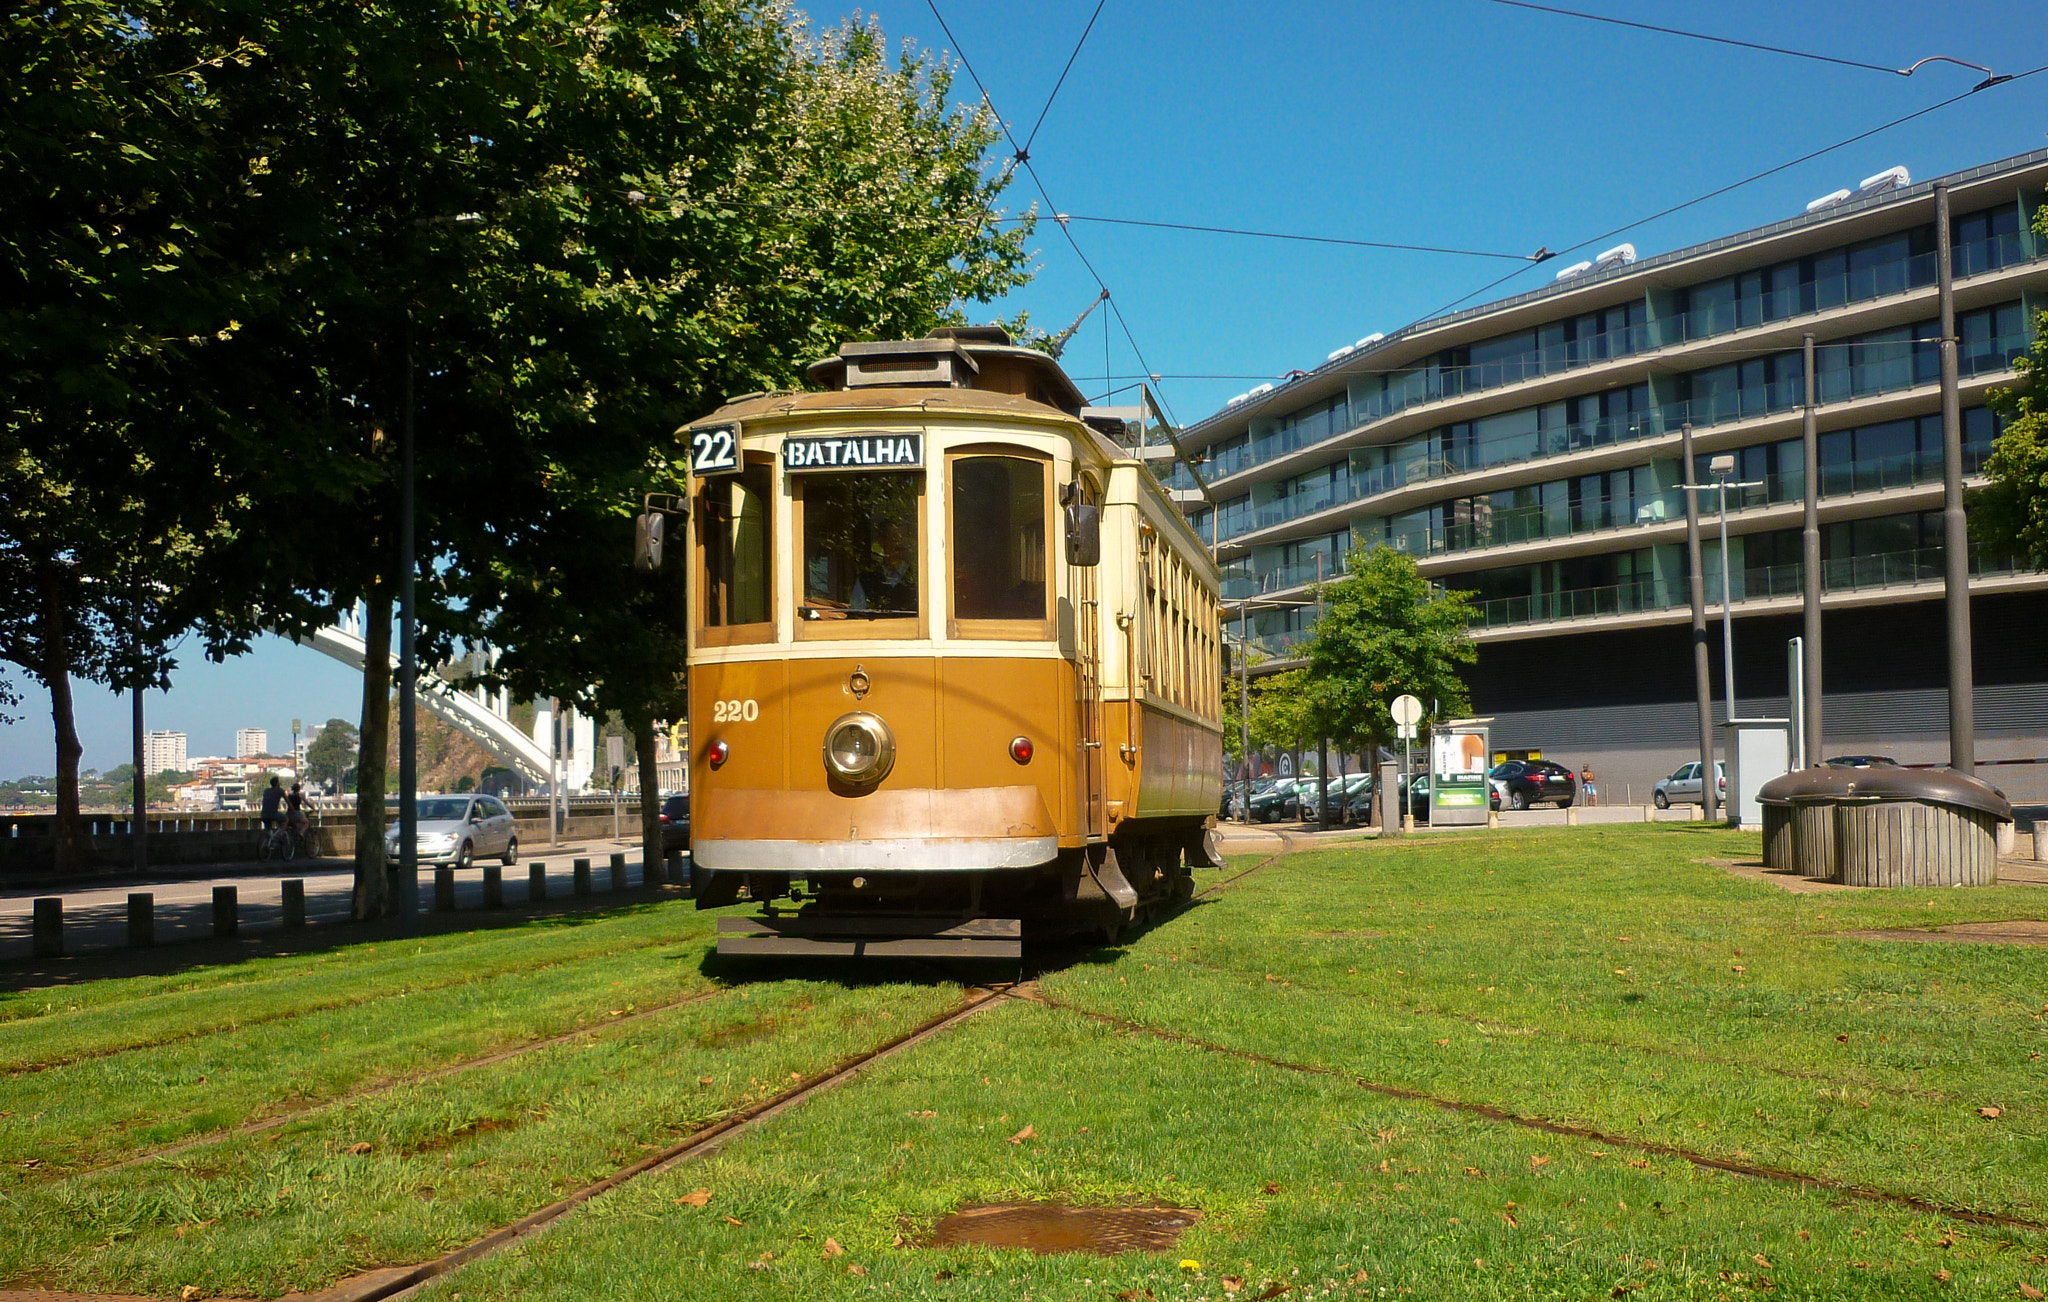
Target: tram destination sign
x,y
855,452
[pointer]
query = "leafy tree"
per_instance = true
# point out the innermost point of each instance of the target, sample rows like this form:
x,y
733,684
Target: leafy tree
x,y
1385,631
331,753
2012,509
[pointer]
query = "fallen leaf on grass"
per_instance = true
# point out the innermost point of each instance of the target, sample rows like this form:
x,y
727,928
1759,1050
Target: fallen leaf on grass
x,y
357,1150
1233,1283
832,1248
1024,1134
1509,1217
706,1080
696,1197
1805,1236
1941,1277
734,1220
1841,1039
1758,1258
1271,1187
187,1293
1539,1161
1737,967
1272,1291
2029,1291
945,1275
32,1163
1132,1295
856,1269
1443,1041
1623,1290
1474,1171
1990,1114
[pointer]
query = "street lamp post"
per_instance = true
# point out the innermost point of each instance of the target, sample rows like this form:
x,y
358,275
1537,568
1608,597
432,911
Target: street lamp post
x,y
408,673
1722,468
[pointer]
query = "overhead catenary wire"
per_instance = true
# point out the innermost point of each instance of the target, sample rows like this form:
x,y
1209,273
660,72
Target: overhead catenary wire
x,y
1032,135
1750,45
1543,256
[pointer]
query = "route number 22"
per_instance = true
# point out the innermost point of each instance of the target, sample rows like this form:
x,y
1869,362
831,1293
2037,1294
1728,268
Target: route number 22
x,y
735,711
715,450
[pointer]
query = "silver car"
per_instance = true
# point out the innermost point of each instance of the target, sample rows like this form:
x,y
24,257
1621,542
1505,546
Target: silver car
x,y
1684,785
459,830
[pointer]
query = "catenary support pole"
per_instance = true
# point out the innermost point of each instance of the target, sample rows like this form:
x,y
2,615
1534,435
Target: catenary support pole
x,y
1727,610
138,823
1244,702
1703,691
408,677
1810,572
1955,529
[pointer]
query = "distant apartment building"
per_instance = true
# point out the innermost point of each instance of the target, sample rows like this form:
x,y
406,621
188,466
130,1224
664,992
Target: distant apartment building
x,y
251,741
163,752
1528,452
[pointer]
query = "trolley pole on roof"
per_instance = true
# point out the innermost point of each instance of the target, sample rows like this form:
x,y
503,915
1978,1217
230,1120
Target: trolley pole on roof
x,y
1955,529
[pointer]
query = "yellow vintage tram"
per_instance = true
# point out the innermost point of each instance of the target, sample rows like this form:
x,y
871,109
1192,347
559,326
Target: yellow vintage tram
x,y
954,661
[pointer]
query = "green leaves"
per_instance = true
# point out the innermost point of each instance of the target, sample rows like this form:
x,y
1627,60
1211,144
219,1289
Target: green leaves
x,y
1385,631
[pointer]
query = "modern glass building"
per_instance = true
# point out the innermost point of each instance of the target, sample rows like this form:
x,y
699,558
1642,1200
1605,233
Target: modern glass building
x,y
1528,451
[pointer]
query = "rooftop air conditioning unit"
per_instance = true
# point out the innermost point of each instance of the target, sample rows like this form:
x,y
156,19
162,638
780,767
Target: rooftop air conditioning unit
x,y
1263,388
1576,269
1828,201
1239,398
1370,339
1345,351
1890,179
1618,256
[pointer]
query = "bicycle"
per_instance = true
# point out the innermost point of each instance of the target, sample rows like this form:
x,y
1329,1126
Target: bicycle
x,y
279,842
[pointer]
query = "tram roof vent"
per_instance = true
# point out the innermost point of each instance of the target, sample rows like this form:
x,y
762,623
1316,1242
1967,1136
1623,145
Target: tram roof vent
x,y
899,363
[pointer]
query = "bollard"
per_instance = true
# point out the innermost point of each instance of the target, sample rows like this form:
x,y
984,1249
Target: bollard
x,y
673,864
2041,839
2008,839
1571,815
536,882
1493,818
444,888
618,872
494,886
49,926
141,920
583,876
294,903
224,911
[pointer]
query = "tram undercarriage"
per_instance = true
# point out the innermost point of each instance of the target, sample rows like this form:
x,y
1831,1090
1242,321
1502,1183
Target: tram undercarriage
x,y
973,913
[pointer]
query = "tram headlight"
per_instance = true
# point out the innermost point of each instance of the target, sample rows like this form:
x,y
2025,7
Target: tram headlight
x,y
859,748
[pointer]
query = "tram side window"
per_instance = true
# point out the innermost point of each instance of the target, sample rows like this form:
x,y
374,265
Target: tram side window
x,y
999,538
861,552
736,542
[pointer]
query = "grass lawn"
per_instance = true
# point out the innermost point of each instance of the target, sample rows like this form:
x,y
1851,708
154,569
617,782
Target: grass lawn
x,y
1603,977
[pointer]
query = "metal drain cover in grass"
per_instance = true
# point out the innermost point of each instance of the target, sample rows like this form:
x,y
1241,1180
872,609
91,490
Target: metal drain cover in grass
x,y
1052,1227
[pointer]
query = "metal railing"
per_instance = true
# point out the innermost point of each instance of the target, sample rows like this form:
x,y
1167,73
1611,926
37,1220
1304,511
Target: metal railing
x,y
1847,574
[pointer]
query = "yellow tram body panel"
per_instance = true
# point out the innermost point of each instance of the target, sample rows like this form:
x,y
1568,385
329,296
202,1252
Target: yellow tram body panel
x,y
891,553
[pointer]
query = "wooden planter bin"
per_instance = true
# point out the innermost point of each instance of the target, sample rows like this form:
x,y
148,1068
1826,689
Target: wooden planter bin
x,y
1799,822
1916,843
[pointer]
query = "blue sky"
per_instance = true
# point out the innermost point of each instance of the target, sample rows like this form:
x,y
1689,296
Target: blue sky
x,y
1459,123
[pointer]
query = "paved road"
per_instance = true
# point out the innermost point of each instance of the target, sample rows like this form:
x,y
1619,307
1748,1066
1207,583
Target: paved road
x,y
97,917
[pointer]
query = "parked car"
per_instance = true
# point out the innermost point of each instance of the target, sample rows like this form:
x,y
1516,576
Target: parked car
x,y
1270,805
1861,762
1415,801
675,823
1342,789
459,830
1684,785
1519,784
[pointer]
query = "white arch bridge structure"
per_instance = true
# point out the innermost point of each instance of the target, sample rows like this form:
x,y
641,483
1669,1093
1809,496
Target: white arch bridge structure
x,y
484,716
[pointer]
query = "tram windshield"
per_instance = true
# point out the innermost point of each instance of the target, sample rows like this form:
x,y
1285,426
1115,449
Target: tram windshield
x,y
860,546
999,535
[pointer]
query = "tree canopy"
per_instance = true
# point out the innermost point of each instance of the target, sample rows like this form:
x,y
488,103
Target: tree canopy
x,y
1386,631
2011,510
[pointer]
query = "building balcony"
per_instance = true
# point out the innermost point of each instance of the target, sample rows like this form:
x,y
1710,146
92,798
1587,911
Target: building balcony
x,y
1666,341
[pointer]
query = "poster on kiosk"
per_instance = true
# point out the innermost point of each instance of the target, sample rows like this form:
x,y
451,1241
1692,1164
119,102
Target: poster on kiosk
x,y
1459,755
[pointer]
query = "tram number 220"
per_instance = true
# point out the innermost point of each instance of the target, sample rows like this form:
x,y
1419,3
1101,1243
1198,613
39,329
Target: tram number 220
x,y
735,711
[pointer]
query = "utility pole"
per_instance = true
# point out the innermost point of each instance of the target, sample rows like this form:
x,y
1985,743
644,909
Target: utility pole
x,y
1724,466
1703,691
1322,741
1244,698
1810,573
138,822
1955,530
408,678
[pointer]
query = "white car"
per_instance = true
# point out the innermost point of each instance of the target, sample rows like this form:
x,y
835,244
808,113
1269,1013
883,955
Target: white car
x,y
459,830
1684,785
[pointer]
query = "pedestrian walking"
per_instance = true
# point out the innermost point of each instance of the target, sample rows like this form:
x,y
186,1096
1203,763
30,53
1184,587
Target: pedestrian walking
x,y
1586,787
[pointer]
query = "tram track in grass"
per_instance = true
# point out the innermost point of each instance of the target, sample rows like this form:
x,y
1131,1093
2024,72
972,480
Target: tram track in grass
x,y
1545,1125
387,1086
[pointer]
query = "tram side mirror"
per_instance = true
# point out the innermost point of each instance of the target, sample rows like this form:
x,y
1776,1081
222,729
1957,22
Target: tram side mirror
x,y
1226,660
1084,533
648,529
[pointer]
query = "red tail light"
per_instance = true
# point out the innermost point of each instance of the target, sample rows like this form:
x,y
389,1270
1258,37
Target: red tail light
x,y
717,753
1020,749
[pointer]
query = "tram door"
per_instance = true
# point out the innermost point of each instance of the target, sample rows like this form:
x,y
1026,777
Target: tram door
x,y
1088,679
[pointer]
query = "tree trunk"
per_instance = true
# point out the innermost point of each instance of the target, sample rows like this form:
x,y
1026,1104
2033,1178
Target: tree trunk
x,y
71,849
652,857
372,893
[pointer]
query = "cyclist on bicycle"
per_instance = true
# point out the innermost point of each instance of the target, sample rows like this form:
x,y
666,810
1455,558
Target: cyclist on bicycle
x,y
295,821
273,799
